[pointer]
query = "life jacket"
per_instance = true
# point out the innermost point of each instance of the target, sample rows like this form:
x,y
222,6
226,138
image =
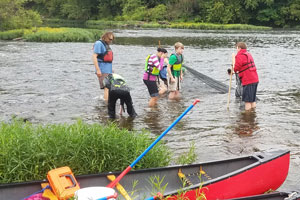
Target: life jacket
x,y
249,65
247,71
151,69
177,66
107,56
117,82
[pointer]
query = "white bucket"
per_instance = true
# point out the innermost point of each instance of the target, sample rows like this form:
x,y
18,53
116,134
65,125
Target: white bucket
x,y
93,193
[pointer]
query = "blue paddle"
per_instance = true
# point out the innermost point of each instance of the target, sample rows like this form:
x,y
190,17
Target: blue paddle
x,y
113,183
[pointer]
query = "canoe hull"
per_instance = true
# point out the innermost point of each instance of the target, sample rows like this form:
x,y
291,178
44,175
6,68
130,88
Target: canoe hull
x,y
223,179
250,182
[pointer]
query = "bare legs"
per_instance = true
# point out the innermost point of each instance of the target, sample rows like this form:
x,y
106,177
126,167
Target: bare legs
x,y
250,105
174,95
153,101
106,94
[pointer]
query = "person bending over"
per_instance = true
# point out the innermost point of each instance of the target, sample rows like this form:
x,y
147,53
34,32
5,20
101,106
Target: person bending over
x,y
118,89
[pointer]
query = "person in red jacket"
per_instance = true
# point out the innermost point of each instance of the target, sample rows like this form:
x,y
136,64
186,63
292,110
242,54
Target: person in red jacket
x,y
245,67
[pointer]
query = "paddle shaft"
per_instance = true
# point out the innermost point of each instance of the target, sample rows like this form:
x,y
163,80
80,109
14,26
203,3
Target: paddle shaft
x,y
113,183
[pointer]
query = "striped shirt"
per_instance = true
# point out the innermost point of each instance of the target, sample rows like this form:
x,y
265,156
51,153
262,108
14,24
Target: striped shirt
x,y
153,61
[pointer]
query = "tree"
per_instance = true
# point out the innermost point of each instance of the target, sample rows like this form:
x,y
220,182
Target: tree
x,y
14,16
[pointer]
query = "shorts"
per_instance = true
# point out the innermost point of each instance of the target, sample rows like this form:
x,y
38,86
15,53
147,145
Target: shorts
x,y
101,78
162,84
174,86
152,88
249,92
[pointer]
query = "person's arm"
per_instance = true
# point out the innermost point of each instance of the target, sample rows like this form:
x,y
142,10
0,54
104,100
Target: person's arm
x,y
170,73
172,60
181,74
236,64
95,61
122,108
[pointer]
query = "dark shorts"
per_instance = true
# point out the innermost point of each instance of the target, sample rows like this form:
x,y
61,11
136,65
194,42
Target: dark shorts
x,y
152,88
249,92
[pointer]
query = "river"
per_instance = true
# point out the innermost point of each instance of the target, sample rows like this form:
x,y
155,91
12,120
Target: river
x,y
55,83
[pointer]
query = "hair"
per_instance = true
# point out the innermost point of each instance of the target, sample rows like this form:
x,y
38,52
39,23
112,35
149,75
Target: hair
x,y
162,50
106,36
178,44
241,45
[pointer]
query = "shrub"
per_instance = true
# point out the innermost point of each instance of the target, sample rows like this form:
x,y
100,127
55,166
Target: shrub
x,y
29,151
12,34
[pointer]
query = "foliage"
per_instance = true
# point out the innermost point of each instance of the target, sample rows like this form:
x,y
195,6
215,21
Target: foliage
x,y
13,15
11,34
18,14
45,34
189,157
29,151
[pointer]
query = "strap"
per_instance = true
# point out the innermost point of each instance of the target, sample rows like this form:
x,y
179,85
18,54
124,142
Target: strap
x,y
251,62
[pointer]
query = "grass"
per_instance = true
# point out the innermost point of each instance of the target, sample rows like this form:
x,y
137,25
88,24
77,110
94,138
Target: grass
x,y
176,25
47,34
28,152
188,157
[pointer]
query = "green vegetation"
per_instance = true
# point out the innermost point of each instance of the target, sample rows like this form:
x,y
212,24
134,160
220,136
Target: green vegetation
x,y
189,157
28,151
101,24
19,14
46,34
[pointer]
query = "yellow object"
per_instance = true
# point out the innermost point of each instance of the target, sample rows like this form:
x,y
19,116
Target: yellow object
x,y
62,182
119,187
48,193
183,177
204,173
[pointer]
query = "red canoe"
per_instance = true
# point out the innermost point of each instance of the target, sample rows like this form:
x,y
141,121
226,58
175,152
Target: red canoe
x,y
223,179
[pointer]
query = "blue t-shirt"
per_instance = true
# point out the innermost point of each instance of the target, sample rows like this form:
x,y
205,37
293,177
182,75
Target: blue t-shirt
x,y
99,48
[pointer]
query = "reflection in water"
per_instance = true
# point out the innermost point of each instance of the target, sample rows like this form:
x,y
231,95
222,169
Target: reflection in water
x,y
247,124
123,121
126,122
153,119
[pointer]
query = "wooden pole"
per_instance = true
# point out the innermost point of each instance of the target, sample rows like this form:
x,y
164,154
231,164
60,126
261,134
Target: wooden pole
x,y
230,80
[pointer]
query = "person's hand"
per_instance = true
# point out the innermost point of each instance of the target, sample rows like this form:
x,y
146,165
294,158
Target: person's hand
x,y
229,71
172,80
99,74
181,77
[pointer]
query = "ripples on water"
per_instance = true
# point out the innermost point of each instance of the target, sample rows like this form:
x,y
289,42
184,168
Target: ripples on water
x,y
55,83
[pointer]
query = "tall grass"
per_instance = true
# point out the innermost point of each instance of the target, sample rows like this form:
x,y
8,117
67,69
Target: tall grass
x,y
28,152
176,25
46,34
12,34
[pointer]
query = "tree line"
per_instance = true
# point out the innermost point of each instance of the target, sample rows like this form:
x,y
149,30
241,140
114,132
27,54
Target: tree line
x,y
274,13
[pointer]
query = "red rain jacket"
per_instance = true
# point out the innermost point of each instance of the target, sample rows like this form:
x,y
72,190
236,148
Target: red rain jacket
x,y
245,67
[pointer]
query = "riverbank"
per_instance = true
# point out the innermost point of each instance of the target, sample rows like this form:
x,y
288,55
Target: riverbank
x,y
56,30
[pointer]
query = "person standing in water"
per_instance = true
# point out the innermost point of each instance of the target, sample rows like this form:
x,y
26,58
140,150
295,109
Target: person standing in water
x,y
174,69
153,65
246,69
102,59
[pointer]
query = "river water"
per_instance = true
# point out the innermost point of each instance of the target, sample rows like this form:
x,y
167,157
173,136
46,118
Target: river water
x,y
55,83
